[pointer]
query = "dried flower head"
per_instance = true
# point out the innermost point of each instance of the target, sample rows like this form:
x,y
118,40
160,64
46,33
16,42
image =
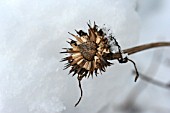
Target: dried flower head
x,y
90,53
87,52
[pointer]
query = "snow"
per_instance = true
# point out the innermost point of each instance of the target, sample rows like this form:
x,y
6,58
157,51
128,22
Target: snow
x,y
32,34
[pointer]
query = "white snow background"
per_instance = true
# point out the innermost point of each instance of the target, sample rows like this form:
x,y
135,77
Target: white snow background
x,y
32,33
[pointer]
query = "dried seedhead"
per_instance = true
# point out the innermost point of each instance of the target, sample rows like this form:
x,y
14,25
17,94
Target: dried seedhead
x,y
89,53
86,55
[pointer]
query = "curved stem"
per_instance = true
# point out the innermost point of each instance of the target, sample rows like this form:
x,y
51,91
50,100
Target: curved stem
x,y
136,70
81,93
138,49
145,46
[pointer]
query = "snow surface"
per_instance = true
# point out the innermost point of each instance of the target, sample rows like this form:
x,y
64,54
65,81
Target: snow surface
x,y
32,34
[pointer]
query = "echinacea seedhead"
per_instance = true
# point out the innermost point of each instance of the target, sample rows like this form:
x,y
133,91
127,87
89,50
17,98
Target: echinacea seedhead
x,y
87,52
90,52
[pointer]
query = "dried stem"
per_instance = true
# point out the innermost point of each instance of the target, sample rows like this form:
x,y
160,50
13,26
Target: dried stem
x,y
138,49
81,93
137,73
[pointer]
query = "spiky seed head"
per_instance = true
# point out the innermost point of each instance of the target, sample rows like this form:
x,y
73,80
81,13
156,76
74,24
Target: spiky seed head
x,y
88,52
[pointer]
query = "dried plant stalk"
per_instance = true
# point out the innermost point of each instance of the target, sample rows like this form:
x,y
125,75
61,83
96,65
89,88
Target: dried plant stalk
x,y
137,49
